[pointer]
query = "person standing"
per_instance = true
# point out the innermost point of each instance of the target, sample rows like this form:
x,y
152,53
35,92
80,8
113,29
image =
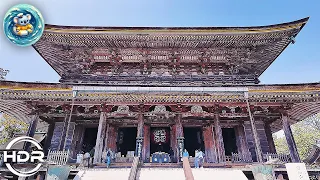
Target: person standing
x,y
108,158
196,159
201,158
171,153
92,155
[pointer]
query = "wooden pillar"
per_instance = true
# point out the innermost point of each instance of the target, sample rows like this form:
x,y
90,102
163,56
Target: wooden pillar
x,y
256,140
63,133
112,138
32,129
106,137
77,141
140,144
140,125
272,147
146,143
100,137
209,144
173,142
179,127
290,140
219,139
241,140
254,132
179,135
48,138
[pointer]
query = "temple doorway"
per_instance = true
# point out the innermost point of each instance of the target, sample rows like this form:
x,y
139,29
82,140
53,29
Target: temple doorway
x,y
193,139
126,140
229,140
160,139
89,139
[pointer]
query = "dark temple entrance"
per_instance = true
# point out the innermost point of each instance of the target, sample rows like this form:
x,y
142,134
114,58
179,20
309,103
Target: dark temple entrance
x,y
89,139
126,140
159,139
193,139
229,140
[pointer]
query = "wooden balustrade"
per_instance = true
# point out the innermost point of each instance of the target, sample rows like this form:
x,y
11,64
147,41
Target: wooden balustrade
x,y
241,158
283,158
228,159
58,157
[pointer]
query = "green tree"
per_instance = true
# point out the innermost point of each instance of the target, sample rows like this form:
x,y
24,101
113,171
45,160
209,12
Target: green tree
x,y
9,126
305,134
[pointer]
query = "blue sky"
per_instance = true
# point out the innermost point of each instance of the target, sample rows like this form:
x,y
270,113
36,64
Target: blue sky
x,y
299,63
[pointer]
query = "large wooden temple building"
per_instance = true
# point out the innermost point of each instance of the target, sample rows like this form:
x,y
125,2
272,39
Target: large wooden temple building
x,y
143,90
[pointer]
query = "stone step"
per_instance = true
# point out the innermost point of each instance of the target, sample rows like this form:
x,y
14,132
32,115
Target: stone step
x,y
94,174
217,173
160,174
162,165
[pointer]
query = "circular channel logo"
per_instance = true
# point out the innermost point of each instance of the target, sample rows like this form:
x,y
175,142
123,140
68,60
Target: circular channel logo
x,y
11,157
23,24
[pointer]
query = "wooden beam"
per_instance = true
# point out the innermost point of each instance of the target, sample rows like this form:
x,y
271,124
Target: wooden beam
x,y
290,140
255,135
100,137
31,131
64,132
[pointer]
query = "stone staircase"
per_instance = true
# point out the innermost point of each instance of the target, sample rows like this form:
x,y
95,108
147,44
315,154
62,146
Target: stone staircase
x,y
218,173
160,174
112,173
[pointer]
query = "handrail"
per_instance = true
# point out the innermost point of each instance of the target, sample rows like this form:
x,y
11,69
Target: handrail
x,y
187,169
134,169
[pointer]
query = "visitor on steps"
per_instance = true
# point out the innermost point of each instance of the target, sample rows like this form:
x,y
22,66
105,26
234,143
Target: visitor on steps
x,y
196,159
108,158
201,158
92,155
185,154
171,153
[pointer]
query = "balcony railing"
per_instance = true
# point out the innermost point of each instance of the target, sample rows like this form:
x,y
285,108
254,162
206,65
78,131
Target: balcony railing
x,y
280,158
241,158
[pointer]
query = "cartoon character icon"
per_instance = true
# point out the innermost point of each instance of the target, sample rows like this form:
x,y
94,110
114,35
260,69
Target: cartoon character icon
x,y
22,25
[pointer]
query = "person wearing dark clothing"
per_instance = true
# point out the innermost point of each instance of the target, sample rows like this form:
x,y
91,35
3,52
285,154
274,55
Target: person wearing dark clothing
x,y
171,153
92,154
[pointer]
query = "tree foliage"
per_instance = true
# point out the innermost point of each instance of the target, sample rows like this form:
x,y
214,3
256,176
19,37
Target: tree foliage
x,y
9,126
305,134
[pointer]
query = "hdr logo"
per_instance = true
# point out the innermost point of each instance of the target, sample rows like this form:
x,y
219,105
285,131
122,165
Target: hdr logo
x,y
12,157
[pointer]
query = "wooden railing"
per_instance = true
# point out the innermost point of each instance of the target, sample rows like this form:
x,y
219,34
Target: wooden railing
x,y
187,169
284,158
58,157
134,169
241,158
